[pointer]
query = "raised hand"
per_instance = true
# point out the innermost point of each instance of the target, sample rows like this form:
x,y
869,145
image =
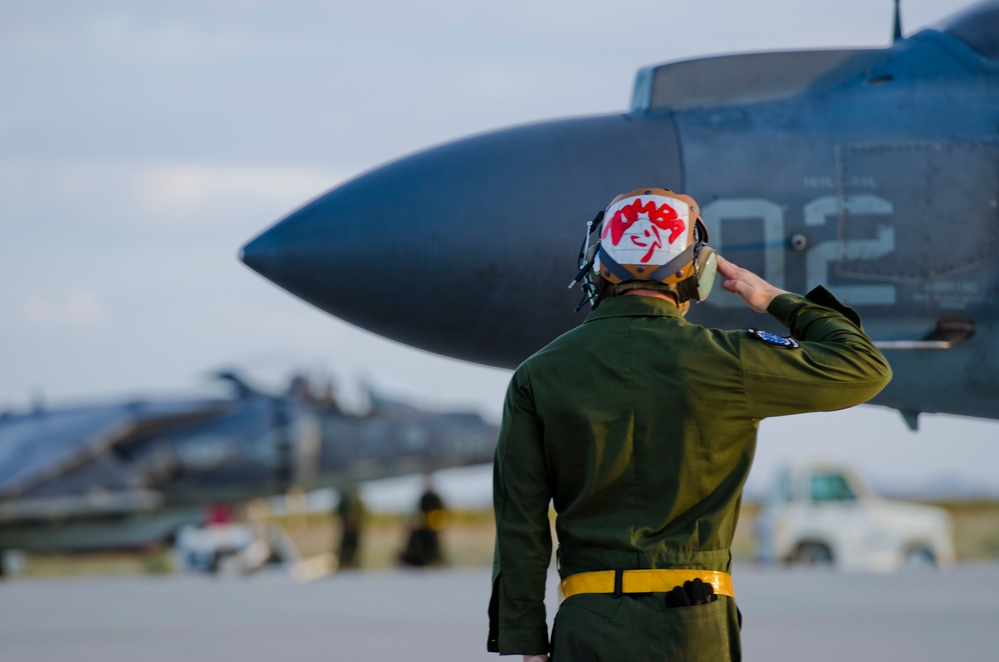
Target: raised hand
x,y
756,292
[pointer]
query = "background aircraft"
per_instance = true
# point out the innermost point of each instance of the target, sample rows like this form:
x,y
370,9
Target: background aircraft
x,y
873,171
132,473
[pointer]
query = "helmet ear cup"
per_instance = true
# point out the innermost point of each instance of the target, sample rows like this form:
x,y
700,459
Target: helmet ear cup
x,y
707,267
698,285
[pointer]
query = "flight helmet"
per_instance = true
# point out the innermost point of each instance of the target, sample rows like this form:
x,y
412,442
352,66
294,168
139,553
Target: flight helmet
x,y
649,237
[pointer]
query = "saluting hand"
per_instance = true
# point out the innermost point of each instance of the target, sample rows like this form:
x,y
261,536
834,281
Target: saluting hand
x,y
756,292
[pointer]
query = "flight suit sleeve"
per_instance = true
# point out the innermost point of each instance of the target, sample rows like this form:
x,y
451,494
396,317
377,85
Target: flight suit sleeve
x,y
834,367
521,498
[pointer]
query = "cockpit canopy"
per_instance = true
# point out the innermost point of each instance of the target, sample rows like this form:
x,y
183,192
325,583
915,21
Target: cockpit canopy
x,y
748,78
755,77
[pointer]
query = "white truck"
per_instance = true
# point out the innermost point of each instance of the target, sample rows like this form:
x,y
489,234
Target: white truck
x,y
826,515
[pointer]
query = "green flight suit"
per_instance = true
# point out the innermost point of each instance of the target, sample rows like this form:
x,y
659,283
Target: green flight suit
x,y
641,427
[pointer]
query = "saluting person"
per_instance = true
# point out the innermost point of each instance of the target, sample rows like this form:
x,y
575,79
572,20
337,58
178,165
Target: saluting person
x,y
641,428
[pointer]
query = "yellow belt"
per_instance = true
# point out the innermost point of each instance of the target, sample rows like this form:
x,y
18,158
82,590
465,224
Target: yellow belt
x,y
644,581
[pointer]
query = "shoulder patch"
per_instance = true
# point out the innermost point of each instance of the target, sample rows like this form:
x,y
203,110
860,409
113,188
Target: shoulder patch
x,y
784,342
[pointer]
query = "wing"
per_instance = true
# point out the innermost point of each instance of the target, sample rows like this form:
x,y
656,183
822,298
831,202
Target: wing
x,y
70,447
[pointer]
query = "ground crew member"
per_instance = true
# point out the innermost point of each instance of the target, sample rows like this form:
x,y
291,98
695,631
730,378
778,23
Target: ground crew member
x,y
351,514
641,428
423,547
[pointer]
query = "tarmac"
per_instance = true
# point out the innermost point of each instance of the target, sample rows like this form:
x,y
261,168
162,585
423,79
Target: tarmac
x,y
437,615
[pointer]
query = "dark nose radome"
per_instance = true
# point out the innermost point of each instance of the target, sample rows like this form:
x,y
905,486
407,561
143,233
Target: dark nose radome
x,y
450,250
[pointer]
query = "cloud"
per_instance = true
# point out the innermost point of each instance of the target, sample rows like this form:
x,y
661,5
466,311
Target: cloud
x,y
178,191
153,196
78,309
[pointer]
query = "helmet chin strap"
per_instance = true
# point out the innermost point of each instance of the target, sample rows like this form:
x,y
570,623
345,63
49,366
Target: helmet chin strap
x,y
676,264
611,265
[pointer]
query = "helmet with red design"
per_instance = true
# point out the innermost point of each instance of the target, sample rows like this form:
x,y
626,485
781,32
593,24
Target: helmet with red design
x,y
648,238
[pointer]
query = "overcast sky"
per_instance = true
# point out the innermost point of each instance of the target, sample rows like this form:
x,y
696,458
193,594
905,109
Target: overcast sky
x,y
142,143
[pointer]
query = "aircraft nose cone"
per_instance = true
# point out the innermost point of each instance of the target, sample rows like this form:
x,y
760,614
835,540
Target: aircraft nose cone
x,y
255,255
450,249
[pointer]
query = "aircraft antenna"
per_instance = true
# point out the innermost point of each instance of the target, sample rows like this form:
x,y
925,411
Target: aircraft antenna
x,y
897,36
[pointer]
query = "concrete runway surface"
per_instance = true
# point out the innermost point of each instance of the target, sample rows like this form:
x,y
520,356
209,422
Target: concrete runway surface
x,y
441,615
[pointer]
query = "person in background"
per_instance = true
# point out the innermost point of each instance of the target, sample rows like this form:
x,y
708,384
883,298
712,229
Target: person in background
x,y
424,547
350,514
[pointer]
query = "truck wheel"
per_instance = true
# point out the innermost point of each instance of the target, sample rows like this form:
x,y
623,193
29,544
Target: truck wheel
x,y
920,557
813,553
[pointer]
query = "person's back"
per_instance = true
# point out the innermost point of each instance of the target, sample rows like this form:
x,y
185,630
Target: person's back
x,y
634,403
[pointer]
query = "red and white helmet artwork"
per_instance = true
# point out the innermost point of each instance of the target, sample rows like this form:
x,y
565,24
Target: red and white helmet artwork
x,y
654,234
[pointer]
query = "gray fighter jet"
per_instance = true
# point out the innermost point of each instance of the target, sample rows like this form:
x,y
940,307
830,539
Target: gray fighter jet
x,y
872,171
131,474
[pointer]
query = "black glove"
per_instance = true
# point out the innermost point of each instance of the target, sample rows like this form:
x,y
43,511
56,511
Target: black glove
x,y
695,592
